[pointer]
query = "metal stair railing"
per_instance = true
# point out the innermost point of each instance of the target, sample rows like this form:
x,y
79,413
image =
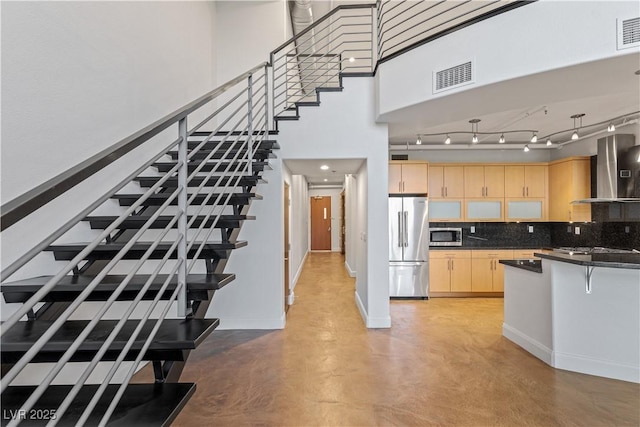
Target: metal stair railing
x,y
242,123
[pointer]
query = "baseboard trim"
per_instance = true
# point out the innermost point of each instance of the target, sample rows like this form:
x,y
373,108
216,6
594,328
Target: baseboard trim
x,y
352,273
534,347
597,367
294,282
291,298
371,322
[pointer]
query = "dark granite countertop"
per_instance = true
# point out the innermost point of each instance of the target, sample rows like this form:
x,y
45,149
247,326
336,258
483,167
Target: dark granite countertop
x,y
483,248
525,264
611,260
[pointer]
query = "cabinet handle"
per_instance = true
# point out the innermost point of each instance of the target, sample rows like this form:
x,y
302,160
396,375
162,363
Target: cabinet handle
x,y
486,191
522,191
451,265
446,192
527,191
403,186
400,186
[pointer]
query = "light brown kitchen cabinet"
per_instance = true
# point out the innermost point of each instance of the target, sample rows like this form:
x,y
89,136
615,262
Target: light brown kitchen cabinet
x,y
484,181
525,181
446,182
569,180
488,273
450,271
408,177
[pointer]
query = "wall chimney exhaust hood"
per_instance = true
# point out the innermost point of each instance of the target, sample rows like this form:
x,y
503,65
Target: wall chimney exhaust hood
x,y
617,170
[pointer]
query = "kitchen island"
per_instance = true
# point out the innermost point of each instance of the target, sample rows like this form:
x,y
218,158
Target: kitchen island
x,y
578,312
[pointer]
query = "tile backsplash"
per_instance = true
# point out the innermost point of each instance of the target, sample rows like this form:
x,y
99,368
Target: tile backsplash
x,y
622,235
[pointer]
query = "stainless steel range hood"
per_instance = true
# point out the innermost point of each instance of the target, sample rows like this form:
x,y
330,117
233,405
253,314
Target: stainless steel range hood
x,y
617,170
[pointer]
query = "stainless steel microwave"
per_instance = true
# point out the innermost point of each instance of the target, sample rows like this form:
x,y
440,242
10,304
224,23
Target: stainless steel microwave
x,y
445,237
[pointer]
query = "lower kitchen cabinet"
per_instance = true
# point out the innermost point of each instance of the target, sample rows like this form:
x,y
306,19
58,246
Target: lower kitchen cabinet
x,y
488,273
450,271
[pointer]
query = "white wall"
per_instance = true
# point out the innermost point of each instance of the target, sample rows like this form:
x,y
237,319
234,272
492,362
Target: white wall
x,y
344,127
334,193
360,239
298,226
351,222
246,32
541,36
73,85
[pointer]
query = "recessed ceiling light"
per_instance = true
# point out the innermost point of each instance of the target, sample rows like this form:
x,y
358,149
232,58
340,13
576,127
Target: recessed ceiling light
x,y
324,167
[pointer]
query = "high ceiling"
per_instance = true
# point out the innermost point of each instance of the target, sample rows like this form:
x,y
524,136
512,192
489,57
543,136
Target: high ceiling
x,y
545,102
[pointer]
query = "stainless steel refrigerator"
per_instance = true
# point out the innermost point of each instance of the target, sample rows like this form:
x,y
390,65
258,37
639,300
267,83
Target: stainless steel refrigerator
x,y
408,247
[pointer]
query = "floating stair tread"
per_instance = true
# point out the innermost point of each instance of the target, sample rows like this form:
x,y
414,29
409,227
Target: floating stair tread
x,y
66,252
149,181
265,144
173,334
202,154
159,198
219,166
141,405
287,117
235,132
329,89
69,287
137,221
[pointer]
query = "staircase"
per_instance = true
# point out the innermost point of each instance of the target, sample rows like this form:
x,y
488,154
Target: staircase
x,y
158,241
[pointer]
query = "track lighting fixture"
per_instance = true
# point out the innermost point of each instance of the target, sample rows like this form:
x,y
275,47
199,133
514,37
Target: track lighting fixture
x,y
352,59
577,131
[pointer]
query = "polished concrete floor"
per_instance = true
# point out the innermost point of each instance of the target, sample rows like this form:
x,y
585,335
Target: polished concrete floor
x,y
443,362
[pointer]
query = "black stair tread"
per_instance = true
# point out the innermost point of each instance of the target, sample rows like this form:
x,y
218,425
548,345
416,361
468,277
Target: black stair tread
x,y
330,89
287,117
235,132
66,252
308,103
141,405
258,154
137,221
173,334
69,287
149,181
159,198
265,144
218,166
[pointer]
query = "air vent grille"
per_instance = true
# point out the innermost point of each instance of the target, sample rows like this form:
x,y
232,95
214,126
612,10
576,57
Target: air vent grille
x,y
628,33
453,77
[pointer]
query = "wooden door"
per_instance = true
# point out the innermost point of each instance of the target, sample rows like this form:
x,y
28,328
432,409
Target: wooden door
x,y
474,181
460,275
535,178
454,182
414,178
439,275
482,279
395,178
287,285
494,181
436,182
514,185
321,223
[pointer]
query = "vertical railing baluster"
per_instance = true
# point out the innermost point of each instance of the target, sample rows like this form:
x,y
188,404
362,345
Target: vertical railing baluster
x,y
266,102
250,120
183,172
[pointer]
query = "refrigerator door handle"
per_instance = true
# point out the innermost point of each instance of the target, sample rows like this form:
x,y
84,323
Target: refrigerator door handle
x,y
404,224
400,228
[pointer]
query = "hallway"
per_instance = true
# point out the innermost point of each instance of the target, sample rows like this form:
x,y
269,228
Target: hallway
x,y
444,362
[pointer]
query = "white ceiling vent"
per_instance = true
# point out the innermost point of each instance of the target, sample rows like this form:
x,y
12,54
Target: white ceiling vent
x,y
453,77
628,33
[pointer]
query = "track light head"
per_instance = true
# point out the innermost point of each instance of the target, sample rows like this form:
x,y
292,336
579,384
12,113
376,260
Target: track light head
x,y
501,140
419,140
575,135
448,140
526,148
534,138
611,127
549,143
474,139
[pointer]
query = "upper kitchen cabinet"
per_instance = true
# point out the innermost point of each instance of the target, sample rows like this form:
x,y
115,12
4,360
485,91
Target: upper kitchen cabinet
x,y
446,182
525,181
569,180
406,177
484,181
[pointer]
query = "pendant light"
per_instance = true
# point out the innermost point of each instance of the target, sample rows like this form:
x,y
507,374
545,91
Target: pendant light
x,y
448,140
474,139
575,117
474,129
